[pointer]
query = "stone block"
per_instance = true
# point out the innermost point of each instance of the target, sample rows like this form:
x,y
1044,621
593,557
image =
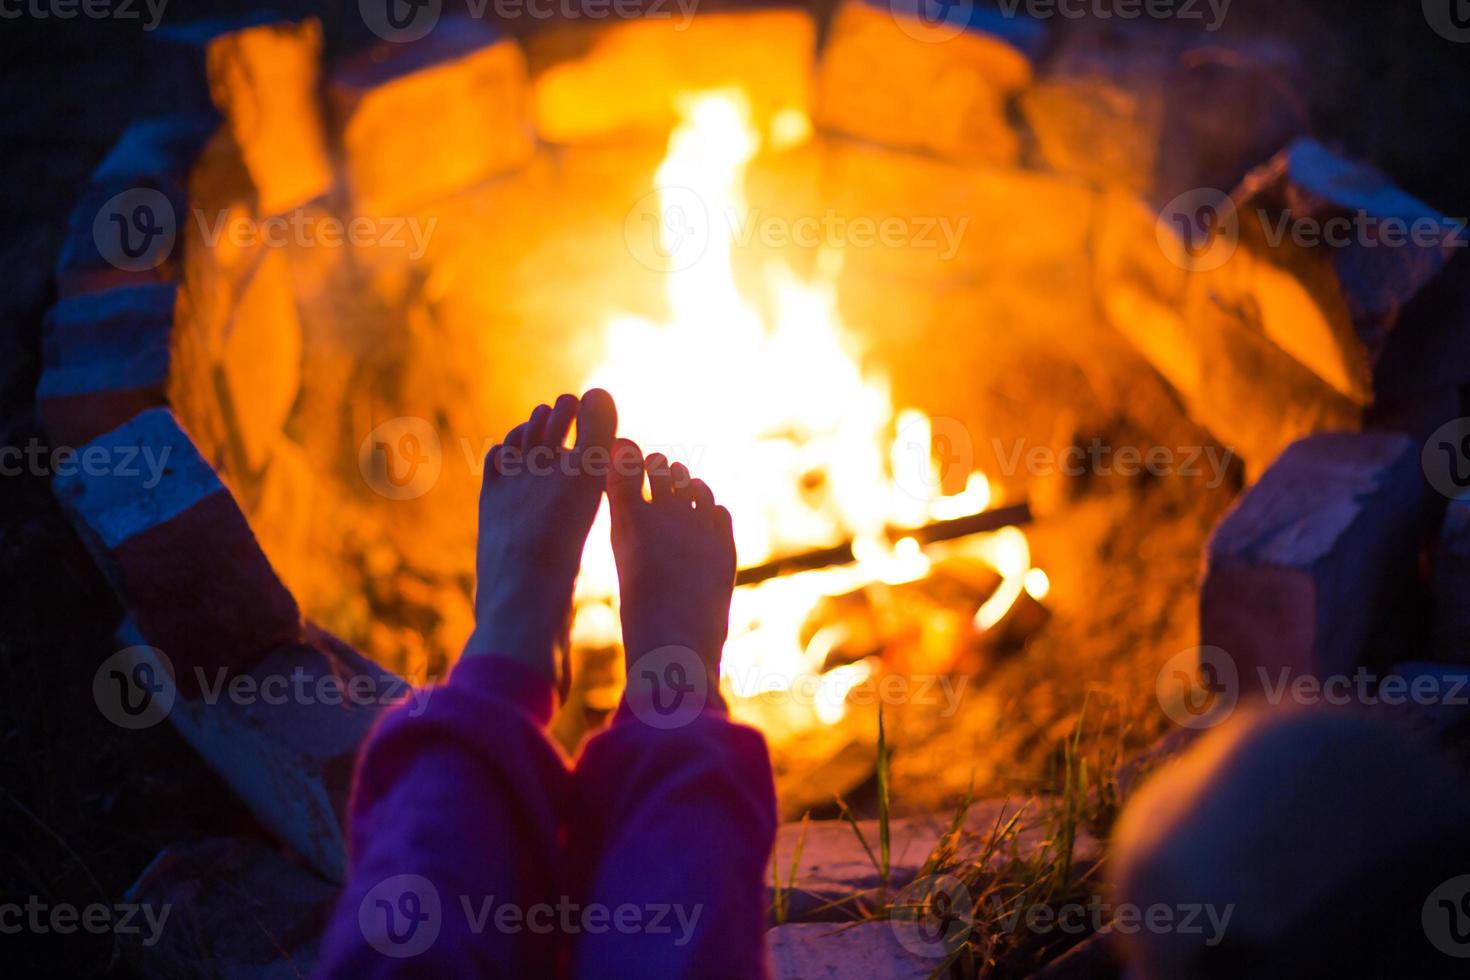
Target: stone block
x,y
266,80
882,59
1304,568
106,357
176,547
1159,112
420,121
827,951
1451,583
834,868
1328,257
256,911
628,77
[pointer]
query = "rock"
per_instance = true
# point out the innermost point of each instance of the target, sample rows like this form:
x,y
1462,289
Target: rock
x,y
1431,699
1305,566
106,358
176,547
882,59
108,242
1208,343
261,361
1451,583
420,121
238,910
1318,264
834,867
1321,834
1160,112
627,77
266,79
818,951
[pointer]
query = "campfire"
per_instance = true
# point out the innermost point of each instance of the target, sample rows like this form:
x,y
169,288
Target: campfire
x,y
1001,344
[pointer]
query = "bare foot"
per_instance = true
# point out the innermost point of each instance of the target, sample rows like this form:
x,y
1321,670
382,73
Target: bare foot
x,y
676,561
536,507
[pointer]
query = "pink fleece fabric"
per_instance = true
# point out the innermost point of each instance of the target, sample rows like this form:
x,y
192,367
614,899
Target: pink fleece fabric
x,y
476,850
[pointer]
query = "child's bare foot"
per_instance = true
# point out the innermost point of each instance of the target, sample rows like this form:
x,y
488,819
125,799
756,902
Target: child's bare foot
x,y
536,507
676,563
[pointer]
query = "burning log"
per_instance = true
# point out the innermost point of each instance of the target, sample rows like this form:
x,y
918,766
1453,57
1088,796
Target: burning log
x,y
841,554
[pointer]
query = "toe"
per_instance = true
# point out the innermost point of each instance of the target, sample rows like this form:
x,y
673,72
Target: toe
x,y
679,474
625,476
560,422
515,438
703,496
536,426
597,420
660,478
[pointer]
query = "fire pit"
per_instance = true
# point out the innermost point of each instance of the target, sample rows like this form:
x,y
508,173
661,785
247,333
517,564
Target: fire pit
x,y
946,324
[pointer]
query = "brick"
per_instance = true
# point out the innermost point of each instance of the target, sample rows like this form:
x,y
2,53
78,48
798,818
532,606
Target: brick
x,y
880,62
1339,309
627,77
176,547
106,357
1304,568
818,951
420,121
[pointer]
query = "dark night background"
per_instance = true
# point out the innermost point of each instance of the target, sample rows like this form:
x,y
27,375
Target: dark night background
x,y
80,814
